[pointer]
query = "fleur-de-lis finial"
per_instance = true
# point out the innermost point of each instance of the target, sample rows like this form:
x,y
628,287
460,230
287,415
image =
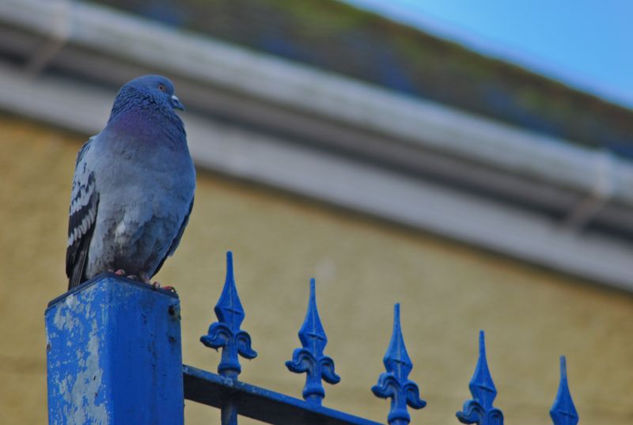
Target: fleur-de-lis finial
x,y
394,383
226,333
310,358
563,411
479,410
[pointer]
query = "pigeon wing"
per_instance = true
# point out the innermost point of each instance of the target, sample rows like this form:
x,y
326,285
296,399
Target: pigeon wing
x,y
176,241
84,203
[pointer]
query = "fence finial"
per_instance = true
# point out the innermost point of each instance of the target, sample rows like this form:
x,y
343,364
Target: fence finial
x,y
310,358
226,332
479,410
563,411
394,383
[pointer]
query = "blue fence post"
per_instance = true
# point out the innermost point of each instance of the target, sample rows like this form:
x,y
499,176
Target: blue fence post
x,y
479,410
114,355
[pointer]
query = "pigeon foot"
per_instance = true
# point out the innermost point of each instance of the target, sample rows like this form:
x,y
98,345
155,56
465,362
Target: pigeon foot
x,y
157,285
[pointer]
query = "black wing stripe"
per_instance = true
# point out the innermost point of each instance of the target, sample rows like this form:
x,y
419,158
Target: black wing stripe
x,y
83,214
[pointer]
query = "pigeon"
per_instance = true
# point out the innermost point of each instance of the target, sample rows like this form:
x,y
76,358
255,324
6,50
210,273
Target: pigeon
x,y
133,187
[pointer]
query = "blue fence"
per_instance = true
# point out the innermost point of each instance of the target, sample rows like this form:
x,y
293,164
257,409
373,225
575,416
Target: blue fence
x,y
114,357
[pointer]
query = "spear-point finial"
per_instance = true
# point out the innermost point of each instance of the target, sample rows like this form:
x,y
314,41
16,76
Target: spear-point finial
x,y
563,411
479,409
310,358
394,383
226,333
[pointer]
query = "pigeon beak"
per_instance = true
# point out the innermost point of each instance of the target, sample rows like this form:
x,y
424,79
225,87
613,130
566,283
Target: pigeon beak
x,y
175,102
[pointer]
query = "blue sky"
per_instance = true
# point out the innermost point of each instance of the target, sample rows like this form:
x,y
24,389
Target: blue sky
x,y
586,44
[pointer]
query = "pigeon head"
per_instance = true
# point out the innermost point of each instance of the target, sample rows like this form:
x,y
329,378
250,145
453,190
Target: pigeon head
x,y
147,89
159,88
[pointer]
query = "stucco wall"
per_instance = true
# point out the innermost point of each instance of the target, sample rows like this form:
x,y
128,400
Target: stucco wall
x,y
447,291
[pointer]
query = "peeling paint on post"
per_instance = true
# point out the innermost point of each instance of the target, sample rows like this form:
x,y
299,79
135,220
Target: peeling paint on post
x,y
114,355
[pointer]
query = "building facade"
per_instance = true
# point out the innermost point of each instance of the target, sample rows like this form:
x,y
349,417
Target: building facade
x,y
302,173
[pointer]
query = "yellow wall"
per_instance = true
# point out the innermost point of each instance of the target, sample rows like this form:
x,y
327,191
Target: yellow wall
x,y
447,292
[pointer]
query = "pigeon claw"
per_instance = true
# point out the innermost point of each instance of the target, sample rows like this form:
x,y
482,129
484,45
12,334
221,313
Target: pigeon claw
x,y
169,288
157,285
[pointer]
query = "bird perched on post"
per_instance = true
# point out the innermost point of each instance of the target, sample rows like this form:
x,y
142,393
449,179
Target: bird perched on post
x,y
133,186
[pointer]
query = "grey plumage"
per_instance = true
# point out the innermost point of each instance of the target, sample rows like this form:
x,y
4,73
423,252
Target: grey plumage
x,y
133,186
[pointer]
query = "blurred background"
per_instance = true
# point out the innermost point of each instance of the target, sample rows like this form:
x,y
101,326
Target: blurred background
x,y
471,162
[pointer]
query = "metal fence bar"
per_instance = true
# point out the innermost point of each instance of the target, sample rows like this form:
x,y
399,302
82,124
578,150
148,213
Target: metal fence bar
x,y
479,410
261,404
310,358
563,411
395,383
227,335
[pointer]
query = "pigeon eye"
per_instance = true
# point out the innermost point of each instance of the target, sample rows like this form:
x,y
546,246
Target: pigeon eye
x,y
161,87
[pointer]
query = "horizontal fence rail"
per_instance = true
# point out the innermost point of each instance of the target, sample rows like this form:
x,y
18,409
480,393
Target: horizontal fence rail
x,y
259,403
108,366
